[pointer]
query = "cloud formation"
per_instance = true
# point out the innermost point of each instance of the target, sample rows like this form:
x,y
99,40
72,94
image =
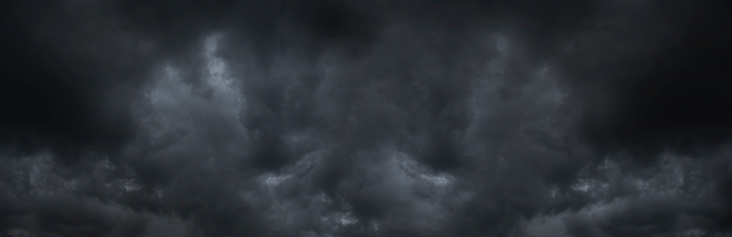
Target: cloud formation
x,y
365,118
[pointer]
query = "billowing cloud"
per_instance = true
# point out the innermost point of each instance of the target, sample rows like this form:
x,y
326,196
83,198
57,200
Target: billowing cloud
x,y
365,118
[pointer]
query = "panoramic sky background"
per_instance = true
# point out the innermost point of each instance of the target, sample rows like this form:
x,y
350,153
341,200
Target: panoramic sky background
x,y
366,118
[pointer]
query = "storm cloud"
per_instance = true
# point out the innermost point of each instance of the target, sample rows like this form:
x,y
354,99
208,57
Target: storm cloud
x,y
366,118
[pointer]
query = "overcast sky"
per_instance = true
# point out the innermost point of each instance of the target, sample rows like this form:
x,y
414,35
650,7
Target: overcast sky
x,y
385,118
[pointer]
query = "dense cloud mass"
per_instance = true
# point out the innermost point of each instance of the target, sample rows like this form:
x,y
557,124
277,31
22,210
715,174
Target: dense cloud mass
x,y
366,118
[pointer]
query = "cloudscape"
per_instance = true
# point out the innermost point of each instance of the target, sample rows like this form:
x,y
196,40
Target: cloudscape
x,y
324,118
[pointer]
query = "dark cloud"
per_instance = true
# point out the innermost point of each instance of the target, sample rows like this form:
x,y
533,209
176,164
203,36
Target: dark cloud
x,y
654,77
66,76
365,118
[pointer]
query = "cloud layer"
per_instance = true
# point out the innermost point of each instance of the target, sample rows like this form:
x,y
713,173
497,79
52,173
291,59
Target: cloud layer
x,y
366,118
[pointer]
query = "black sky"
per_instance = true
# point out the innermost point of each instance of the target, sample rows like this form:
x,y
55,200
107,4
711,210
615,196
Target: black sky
x,y
366,118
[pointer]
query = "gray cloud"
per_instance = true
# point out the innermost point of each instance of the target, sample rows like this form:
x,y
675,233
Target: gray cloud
x,y
355,118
